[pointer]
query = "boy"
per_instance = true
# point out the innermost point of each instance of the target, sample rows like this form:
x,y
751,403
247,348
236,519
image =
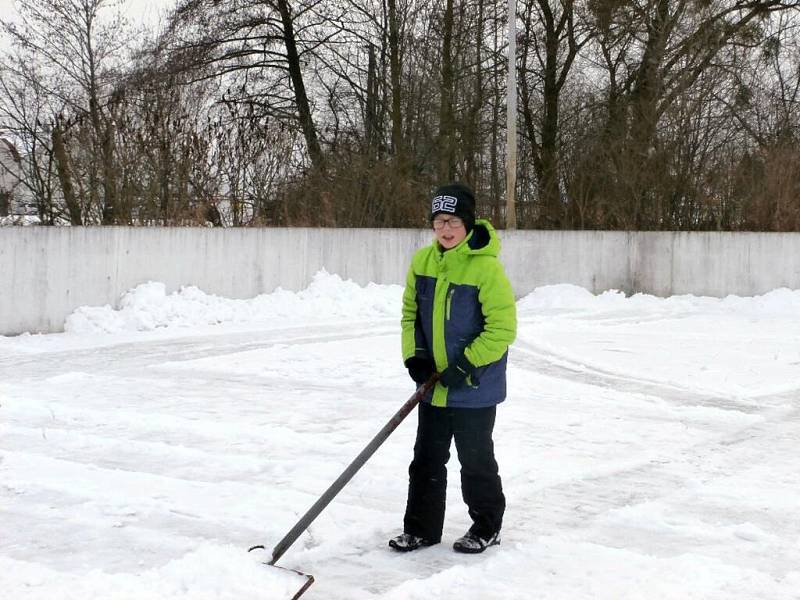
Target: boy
x,y
459,317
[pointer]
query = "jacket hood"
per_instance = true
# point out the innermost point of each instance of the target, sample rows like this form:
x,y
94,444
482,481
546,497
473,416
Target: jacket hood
x,y
481,241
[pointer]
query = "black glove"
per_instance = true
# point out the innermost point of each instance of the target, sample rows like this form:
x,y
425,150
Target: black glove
x,y
420,369
456,374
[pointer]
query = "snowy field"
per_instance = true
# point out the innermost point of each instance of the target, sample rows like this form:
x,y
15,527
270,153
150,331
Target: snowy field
x,y
649,449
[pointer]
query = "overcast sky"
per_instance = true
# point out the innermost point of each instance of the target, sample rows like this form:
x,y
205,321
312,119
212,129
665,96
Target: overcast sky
x,y
138,11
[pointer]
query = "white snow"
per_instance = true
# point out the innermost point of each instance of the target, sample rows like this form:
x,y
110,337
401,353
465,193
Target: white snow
x,y
148,307
648,449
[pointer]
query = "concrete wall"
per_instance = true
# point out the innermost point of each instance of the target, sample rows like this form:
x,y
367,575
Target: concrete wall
x,y
659,263
46,272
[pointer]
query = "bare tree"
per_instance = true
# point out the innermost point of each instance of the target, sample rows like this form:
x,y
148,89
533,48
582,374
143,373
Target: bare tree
x,y
27,112
261,48
551,42
654,52
76,51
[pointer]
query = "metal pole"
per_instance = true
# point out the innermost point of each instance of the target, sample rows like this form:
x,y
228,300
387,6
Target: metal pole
x,y
351,470
511,118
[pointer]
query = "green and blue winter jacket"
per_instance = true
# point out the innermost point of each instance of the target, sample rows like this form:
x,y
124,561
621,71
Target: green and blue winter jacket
x,y
461,301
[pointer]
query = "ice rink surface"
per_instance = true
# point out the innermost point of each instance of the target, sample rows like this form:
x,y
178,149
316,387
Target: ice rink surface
x,y
648,448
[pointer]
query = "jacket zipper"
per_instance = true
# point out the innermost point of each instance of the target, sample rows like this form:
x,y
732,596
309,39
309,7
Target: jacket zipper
x,y
449,302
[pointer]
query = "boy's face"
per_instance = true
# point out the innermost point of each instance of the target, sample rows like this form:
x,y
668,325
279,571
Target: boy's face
x,y
449,230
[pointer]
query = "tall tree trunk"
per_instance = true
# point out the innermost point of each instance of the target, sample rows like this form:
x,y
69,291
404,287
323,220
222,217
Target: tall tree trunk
x,y
103,143
65,176
550,196
395,68
473,134
494,165
555,57
301,98
371,126
644,99
446,118
112,212
164,179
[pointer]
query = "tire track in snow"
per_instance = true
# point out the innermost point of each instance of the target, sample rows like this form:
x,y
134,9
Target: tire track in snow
x,y
141,354
532,358
721,456
574,509
577,506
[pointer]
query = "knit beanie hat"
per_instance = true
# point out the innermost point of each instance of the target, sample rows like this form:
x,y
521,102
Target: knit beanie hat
x,y
455,199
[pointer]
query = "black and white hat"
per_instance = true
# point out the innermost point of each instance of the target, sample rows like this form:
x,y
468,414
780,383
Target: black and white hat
x,y
455,199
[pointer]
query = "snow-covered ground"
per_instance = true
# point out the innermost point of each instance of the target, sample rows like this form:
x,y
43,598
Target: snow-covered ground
x,y
648,447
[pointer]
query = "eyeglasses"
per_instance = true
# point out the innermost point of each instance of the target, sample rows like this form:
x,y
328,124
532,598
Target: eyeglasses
x,y
452,223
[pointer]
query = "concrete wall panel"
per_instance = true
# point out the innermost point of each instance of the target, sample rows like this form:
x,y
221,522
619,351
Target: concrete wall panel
x,y
46,272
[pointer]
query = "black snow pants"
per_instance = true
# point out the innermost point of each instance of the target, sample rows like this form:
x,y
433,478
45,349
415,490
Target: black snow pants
x,y
481,487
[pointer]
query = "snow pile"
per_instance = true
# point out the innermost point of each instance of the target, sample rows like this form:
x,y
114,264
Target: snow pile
x,y
572,298
782,302
209,573
750,350
566,296
148,307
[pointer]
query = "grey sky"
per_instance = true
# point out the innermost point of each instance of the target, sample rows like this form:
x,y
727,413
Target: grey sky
x,y
138,11
145,12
